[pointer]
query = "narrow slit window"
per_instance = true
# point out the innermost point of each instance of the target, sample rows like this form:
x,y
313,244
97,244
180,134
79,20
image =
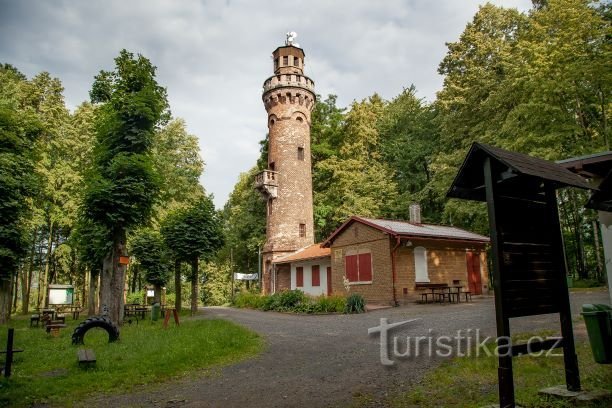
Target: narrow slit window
x,y
302,230
300,153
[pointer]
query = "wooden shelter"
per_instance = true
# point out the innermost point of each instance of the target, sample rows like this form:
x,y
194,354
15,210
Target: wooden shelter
x,y
529,270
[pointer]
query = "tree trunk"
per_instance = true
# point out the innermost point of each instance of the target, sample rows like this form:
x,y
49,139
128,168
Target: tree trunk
x,y
16,288
178,304
43,285
157,289
26,285
6,284
112,282
92,294
134,278
600,266
194,286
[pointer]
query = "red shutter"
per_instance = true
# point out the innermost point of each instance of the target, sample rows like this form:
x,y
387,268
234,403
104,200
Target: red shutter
x,y
350,265
299,277
365,267
316,276
329,281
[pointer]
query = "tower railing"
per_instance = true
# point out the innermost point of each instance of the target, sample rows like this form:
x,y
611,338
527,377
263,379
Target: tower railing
x,y
284,80
266,181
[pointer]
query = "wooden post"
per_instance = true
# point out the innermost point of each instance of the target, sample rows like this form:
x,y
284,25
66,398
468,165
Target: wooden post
x,y
504,370
9,353
572,375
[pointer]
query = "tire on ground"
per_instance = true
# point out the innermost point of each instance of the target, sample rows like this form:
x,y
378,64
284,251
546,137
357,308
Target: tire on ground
x,y
90,323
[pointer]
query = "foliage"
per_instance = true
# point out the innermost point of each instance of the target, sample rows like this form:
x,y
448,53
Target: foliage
x,y
291,301
477,377
355,303
48,373
148,247
193,232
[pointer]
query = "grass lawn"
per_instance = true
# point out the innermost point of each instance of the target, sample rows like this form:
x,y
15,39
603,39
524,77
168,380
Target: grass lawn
x,y
472,382
47,371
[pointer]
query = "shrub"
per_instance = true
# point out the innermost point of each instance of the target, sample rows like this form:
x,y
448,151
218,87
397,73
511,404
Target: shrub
x,y
355,304
249,300
135,297
330,304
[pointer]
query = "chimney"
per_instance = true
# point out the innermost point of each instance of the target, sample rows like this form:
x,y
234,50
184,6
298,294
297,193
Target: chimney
x,y
415,214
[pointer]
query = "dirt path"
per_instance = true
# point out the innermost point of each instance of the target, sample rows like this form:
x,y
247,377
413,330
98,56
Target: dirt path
x,y
321,361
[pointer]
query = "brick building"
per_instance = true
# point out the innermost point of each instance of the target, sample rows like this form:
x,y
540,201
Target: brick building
x,y
384,260
286,185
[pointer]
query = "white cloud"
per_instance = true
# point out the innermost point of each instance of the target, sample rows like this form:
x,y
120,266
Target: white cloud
x,y
213,56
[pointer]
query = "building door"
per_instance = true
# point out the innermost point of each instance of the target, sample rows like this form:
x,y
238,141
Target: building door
x,y
329,282
473,272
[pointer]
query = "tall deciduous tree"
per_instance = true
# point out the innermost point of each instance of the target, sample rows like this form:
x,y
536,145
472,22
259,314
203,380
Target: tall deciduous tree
x,y
149,249
123,185
19,131
192,234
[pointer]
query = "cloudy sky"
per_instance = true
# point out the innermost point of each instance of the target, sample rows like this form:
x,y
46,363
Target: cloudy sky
x,y
213,56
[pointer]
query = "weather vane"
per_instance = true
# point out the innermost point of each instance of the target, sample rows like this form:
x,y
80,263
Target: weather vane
x,y
291,36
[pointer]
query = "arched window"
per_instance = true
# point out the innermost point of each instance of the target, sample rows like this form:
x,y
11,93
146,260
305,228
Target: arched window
x,y
420,264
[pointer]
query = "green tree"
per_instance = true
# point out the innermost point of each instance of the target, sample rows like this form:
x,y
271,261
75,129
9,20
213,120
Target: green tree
x,y
149,249
356,181
123,185
193,233
177,160
409,143
18,183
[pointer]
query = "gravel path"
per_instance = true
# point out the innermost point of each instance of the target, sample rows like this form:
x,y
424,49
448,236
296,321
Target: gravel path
x,y
321,361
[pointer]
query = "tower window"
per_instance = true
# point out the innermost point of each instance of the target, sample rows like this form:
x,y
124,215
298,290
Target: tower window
x,y
285,60
276,63
288,78
302,230
299,119
296,62
269,207
300,153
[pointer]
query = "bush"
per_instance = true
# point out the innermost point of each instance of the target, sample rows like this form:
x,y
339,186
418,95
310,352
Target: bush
x,y
330,304
355,304
293,301
249,300
587,283
135,297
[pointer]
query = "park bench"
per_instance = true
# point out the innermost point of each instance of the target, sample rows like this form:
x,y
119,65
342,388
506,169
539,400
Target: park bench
x,y
35,318
54,327
86,357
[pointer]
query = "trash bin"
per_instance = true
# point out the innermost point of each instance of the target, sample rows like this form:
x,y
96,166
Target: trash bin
x,y
598,320
155,311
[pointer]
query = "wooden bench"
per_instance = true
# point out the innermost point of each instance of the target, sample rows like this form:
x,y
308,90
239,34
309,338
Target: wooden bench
x,y
86,357
54,327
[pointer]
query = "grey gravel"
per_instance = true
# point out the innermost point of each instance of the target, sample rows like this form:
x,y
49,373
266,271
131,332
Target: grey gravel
x,y
322,361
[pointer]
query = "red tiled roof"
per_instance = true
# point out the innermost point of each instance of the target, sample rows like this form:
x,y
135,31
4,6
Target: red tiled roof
x,y
313,251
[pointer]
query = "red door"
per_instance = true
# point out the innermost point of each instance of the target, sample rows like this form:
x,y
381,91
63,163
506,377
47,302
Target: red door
x,y
329,282
473,271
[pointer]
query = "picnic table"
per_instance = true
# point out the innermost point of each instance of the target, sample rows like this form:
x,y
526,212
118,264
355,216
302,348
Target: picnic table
x,y
441,292
136,310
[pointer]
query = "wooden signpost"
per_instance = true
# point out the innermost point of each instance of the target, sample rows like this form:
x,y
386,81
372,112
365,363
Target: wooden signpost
x,y
529,270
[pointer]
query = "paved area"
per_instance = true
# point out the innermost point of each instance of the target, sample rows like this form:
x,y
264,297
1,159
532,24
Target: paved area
x,y
322,361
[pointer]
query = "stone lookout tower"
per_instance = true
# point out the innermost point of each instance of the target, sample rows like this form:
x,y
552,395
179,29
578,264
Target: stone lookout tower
x,y
286,185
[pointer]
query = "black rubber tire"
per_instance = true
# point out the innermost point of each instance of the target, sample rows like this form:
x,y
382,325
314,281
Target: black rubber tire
x,y
90,323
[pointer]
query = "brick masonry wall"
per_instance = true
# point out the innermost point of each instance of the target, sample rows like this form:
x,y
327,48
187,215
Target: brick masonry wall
x,y
283,278
288,107
446,261
359,238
